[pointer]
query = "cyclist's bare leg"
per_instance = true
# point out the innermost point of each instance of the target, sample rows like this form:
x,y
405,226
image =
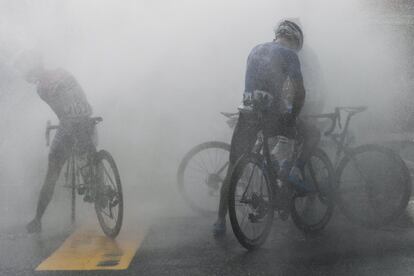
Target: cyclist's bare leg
x,y
48,187
244,137
58,154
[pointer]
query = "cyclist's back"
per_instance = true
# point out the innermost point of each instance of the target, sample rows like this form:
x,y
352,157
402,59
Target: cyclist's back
x,y
268,66
60,90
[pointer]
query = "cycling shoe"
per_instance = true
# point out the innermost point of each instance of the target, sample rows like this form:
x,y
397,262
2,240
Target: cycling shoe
x,y
219,229
35,226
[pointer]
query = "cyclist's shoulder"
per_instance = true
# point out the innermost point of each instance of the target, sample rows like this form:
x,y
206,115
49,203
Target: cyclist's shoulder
x,y
268,46
288,53
272,50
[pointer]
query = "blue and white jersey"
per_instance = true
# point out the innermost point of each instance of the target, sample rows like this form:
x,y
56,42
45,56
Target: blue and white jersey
x,y
268,67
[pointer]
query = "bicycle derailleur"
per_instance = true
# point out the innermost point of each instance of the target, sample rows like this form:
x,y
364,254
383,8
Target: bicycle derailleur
x,y
260,207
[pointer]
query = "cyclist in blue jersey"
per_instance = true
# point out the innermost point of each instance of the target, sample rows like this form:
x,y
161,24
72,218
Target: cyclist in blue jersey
x,y
60,90
269,66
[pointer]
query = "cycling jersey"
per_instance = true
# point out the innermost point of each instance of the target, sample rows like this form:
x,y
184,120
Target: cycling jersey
x,y
60,90
268,66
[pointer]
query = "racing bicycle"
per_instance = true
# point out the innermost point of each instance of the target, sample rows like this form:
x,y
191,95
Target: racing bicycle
x,y
256,191
96,178
373,184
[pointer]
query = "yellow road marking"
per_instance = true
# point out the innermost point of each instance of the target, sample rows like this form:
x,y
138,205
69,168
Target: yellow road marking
x,y
91,250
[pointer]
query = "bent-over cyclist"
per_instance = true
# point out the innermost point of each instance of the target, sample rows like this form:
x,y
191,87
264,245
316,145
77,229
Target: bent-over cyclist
x,y
60,90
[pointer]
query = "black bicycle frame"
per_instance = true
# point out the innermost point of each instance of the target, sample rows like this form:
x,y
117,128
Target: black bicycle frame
x,y
339,138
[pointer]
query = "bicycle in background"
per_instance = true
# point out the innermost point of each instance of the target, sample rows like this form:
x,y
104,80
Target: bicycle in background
x,y
202,172
373,183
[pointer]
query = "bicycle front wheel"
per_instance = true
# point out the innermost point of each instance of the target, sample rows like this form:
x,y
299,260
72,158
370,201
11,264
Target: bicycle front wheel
x,y
250,202
109,203
201,175
374,186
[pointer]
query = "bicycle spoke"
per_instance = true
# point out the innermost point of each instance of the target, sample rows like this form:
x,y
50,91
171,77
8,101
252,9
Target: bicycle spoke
x,y
210,159
217,160
201,174
201,171
200,165
203,164
223,168
106,172
250,179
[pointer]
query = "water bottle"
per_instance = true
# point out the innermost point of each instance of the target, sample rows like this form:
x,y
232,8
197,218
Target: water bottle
x,y
296,177
282,154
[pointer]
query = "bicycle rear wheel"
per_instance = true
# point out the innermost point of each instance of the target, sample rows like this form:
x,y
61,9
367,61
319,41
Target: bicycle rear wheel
x,y
312,210
374,186
109,203
250,203
201,174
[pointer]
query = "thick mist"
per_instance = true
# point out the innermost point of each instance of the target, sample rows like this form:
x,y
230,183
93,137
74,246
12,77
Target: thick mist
x,y
159,72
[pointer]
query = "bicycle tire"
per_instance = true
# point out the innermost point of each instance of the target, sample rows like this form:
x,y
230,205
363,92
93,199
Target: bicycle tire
x,y
111,232
244,240
399,172
324,194
184,167
405,149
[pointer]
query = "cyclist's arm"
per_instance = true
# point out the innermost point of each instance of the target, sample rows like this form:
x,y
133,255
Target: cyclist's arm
x,y
295,75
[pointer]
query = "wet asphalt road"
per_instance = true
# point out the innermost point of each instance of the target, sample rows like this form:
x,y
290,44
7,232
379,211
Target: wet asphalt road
x,y
185,246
